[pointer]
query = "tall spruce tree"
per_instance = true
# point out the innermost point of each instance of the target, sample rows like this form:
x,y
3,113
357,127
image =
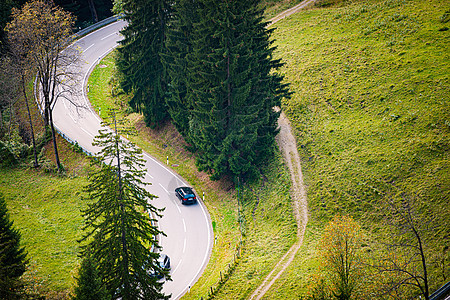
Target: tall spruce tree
x,y
232,88
118,224
89,283
12,256
178,46
139,57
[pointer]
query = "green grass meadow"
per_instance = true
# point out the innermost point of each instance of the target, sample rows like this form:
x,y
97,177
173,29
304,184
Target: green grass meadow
x,y
371,101
45,209
370,111
270,230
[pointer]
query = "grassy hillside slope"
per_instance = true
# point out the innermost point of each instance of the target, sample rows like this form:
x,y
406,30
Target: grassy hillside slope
x,y
370,110
274,7
45,208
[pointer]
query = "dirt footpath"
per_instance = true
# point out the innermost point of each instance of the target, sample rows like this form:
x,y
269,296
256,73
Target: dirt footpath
x,y
290,11
288,147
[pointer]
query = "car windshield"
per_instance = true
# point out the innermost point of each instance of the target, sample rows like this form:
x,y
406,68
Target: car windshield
x,y
188,191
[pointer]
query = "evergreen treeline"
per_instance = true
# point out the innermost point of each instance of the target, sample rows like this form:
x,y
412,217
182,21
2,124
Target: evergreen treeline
x,y
87,12
208,65
139,60
5,16
12,257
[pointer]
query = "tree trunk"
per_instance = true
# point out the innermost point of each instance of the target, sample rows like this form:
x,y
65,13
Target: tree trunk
x,y
93,11
43,81
425,273
31,123
10,119
55,147
127,287
426,292
46,110
229,90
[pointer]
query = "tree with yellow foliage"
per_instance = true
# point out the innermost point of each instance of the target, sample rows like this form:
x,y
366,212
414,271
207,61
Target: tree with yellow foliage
x,y
341,261
41,33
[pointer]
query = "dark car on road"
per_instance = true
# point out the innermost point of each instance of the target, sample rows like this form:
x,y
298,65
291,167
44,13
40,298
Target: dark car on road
x,y
164,261
186,195
164,264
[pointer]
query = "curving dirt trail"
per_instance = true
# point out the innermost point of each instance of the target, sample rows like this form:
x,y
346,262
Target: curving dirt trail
x,y
290,11
288,146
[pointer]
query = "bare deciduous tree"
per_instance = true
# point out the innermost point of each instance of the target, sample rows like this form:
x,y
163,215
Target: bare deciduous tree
x,y
404,267
42,33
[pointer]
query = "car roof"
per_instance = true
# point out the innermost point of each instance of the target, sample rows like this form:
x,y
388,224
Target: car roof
x,y
186,190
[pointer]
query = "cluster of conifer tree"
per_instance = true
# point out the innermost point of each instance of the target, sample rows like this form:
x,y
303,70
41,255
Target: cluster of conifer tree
x,y
120,234
12,257
87,12
207,65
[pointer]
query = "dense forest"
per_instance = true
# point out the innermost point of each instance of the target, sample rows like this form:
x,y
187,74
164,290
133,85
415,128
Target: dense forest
x,y
87,12
222,104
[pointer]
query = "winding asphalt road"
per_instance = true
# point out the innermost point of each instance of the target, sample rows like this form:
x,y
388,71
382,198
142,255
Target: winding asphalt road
x,y
188,228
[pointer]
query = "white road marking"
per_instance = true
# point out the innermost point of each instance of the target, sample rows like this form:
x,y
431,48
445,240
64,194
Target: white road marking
x,y
86,131
178,208
164,167
88,48
105,37
148,174
202,266
184,246
164,189
173,272
68,111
